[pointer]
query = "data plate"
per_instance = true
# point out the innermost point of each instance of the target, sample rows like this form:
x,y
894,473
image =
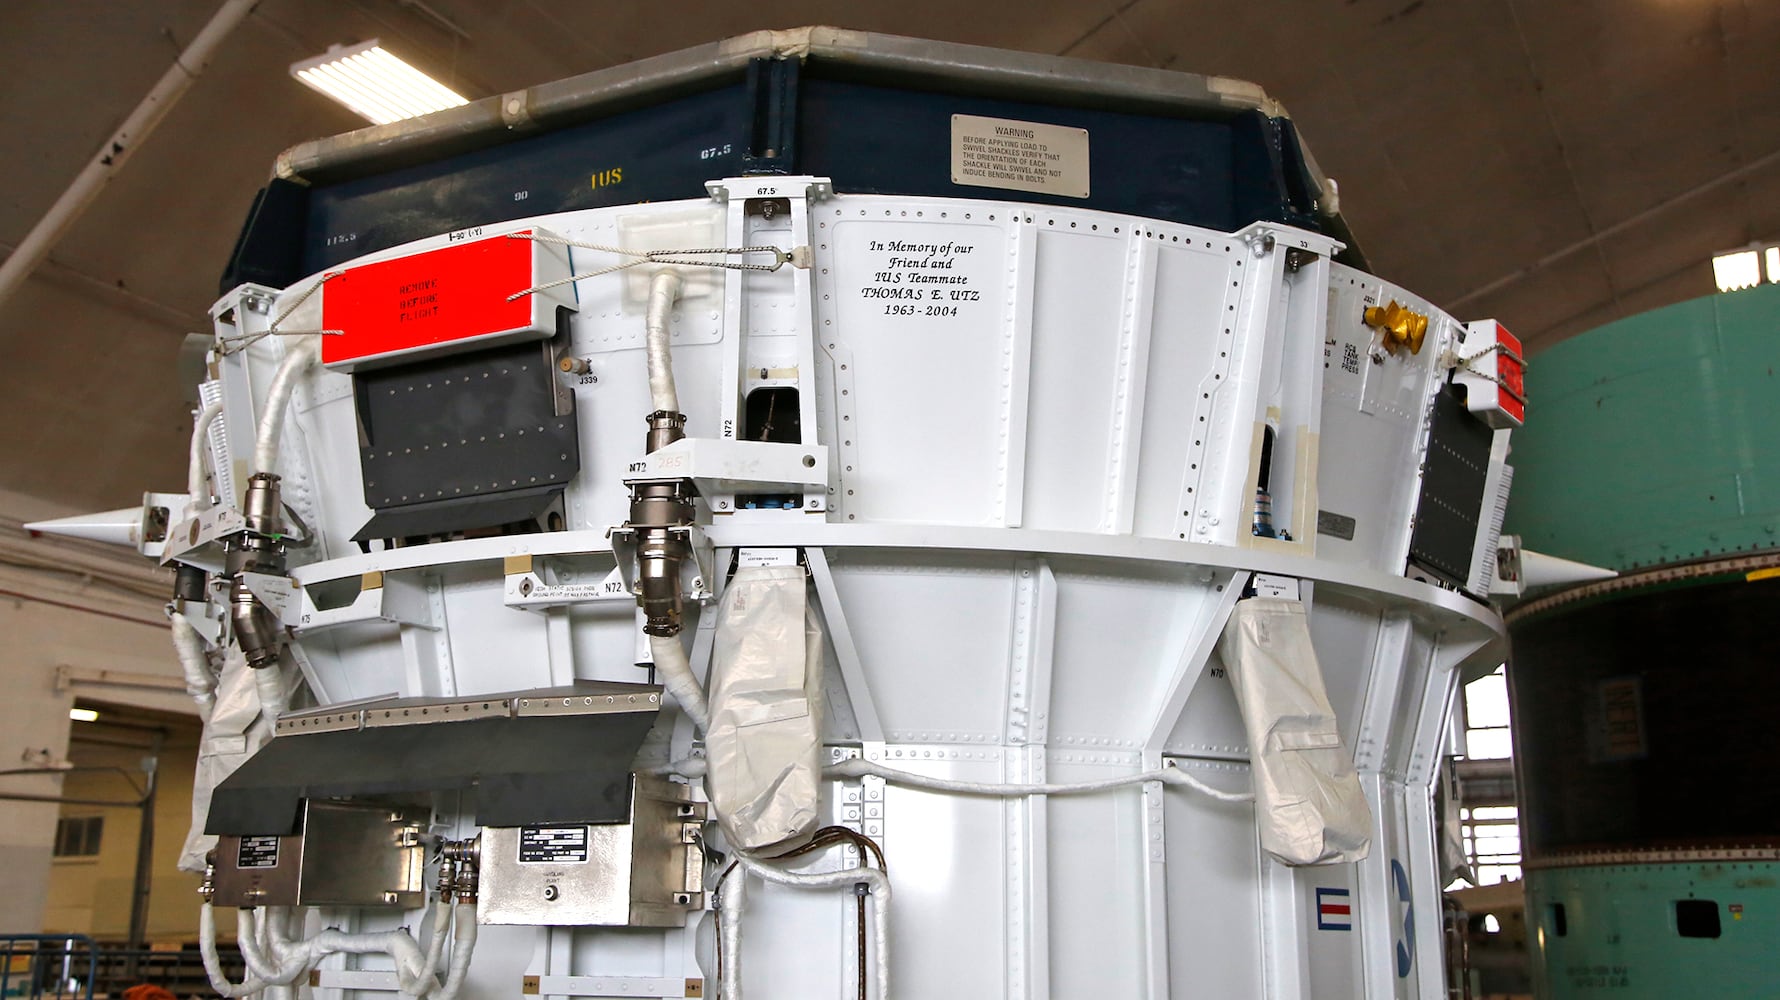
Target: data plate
x,y
257,852
1335,525
553,845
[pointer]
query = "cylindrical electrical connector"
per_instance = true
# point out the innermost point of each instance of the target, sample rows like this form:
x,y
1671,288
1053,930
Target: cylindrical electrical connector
x,y
466,884
261,505
207,888
458,868
447,882
658,581
257,630
258,549
665,427
1263,526
655,508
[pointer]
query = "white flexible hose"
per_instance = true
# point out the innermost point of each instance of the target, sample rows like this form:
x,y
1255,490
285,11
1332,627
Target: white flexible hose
x,y
268,683
463,940
283,961
695,767
733,895
1168,775
199,682
265,963
846,877
398,945
664,291
277,952
676,675
435,947
273,922
213,965
284,382
197,484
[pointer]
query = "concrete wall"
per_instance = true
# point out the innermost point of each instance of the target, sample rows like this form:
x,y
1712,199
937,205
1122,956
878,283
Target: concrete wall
x,y
92,895
34,726
73,606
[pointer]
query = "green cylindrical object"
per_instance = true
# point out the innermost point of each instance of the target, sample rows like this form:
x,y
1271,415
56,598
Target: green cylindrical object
x,y
1650,823
1655,439
1613,931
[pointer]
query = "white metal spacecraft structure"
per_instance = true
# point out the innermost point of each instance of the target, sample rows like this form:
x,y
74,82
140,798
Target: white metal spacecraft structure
x,y
828,514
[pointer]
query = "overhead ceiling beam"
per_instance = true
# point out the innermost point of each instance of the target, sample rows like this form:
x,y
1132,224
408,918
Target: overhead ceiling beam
x,y
116,296
118,148
432,14
1621,226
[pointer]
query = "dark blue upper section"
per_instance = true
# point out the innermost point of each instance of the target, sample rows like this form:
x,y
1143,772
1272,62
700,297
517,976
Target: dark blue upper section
x,y
659,153
871,136
882,140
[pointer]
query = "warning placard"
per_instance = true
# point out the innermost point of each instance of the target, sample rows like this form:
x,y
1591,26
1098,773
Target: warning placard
x,y
1019,156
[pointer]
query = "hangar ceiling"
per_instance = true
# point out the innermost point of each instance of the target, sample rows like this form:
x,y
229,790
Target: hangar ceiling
x,y
1555,164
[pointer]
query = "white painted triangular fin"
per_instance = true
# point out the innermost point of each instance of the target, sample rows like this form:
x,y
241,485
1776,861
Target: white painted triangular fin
x,y
117,527
1540,570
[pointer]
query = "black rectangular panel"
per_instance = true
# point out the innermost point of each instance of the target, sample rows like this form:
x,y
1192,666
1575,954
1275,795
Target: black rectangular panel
x,y
527,770
437,436
1451,502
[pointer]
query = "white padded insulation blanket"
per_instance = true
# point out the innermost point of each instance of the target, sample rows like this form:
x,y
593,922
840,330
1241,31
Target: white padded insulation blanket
x,y
1308,800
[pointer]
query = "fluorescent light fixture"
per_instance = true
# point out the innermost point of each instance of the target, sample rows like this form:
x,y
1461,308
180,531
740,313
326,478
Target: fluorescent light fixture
x,y
375,84
1737,269
1774,265
83,715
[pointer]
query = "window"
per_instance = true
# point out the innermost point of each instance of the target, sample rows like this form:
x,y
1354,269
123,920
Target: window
x,y
1742,267
1697,918
1486,718
1491,825
1492,843
78,836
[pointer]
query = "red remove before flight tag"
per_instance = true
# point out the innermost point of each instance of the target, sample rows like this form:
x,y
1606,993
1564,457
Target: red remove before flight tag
x,y
455,297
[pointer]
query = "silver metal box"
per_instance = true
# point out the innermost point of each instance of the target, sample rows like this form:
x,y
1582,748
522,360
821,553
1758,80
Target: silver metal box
x,y
343,855
647,872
